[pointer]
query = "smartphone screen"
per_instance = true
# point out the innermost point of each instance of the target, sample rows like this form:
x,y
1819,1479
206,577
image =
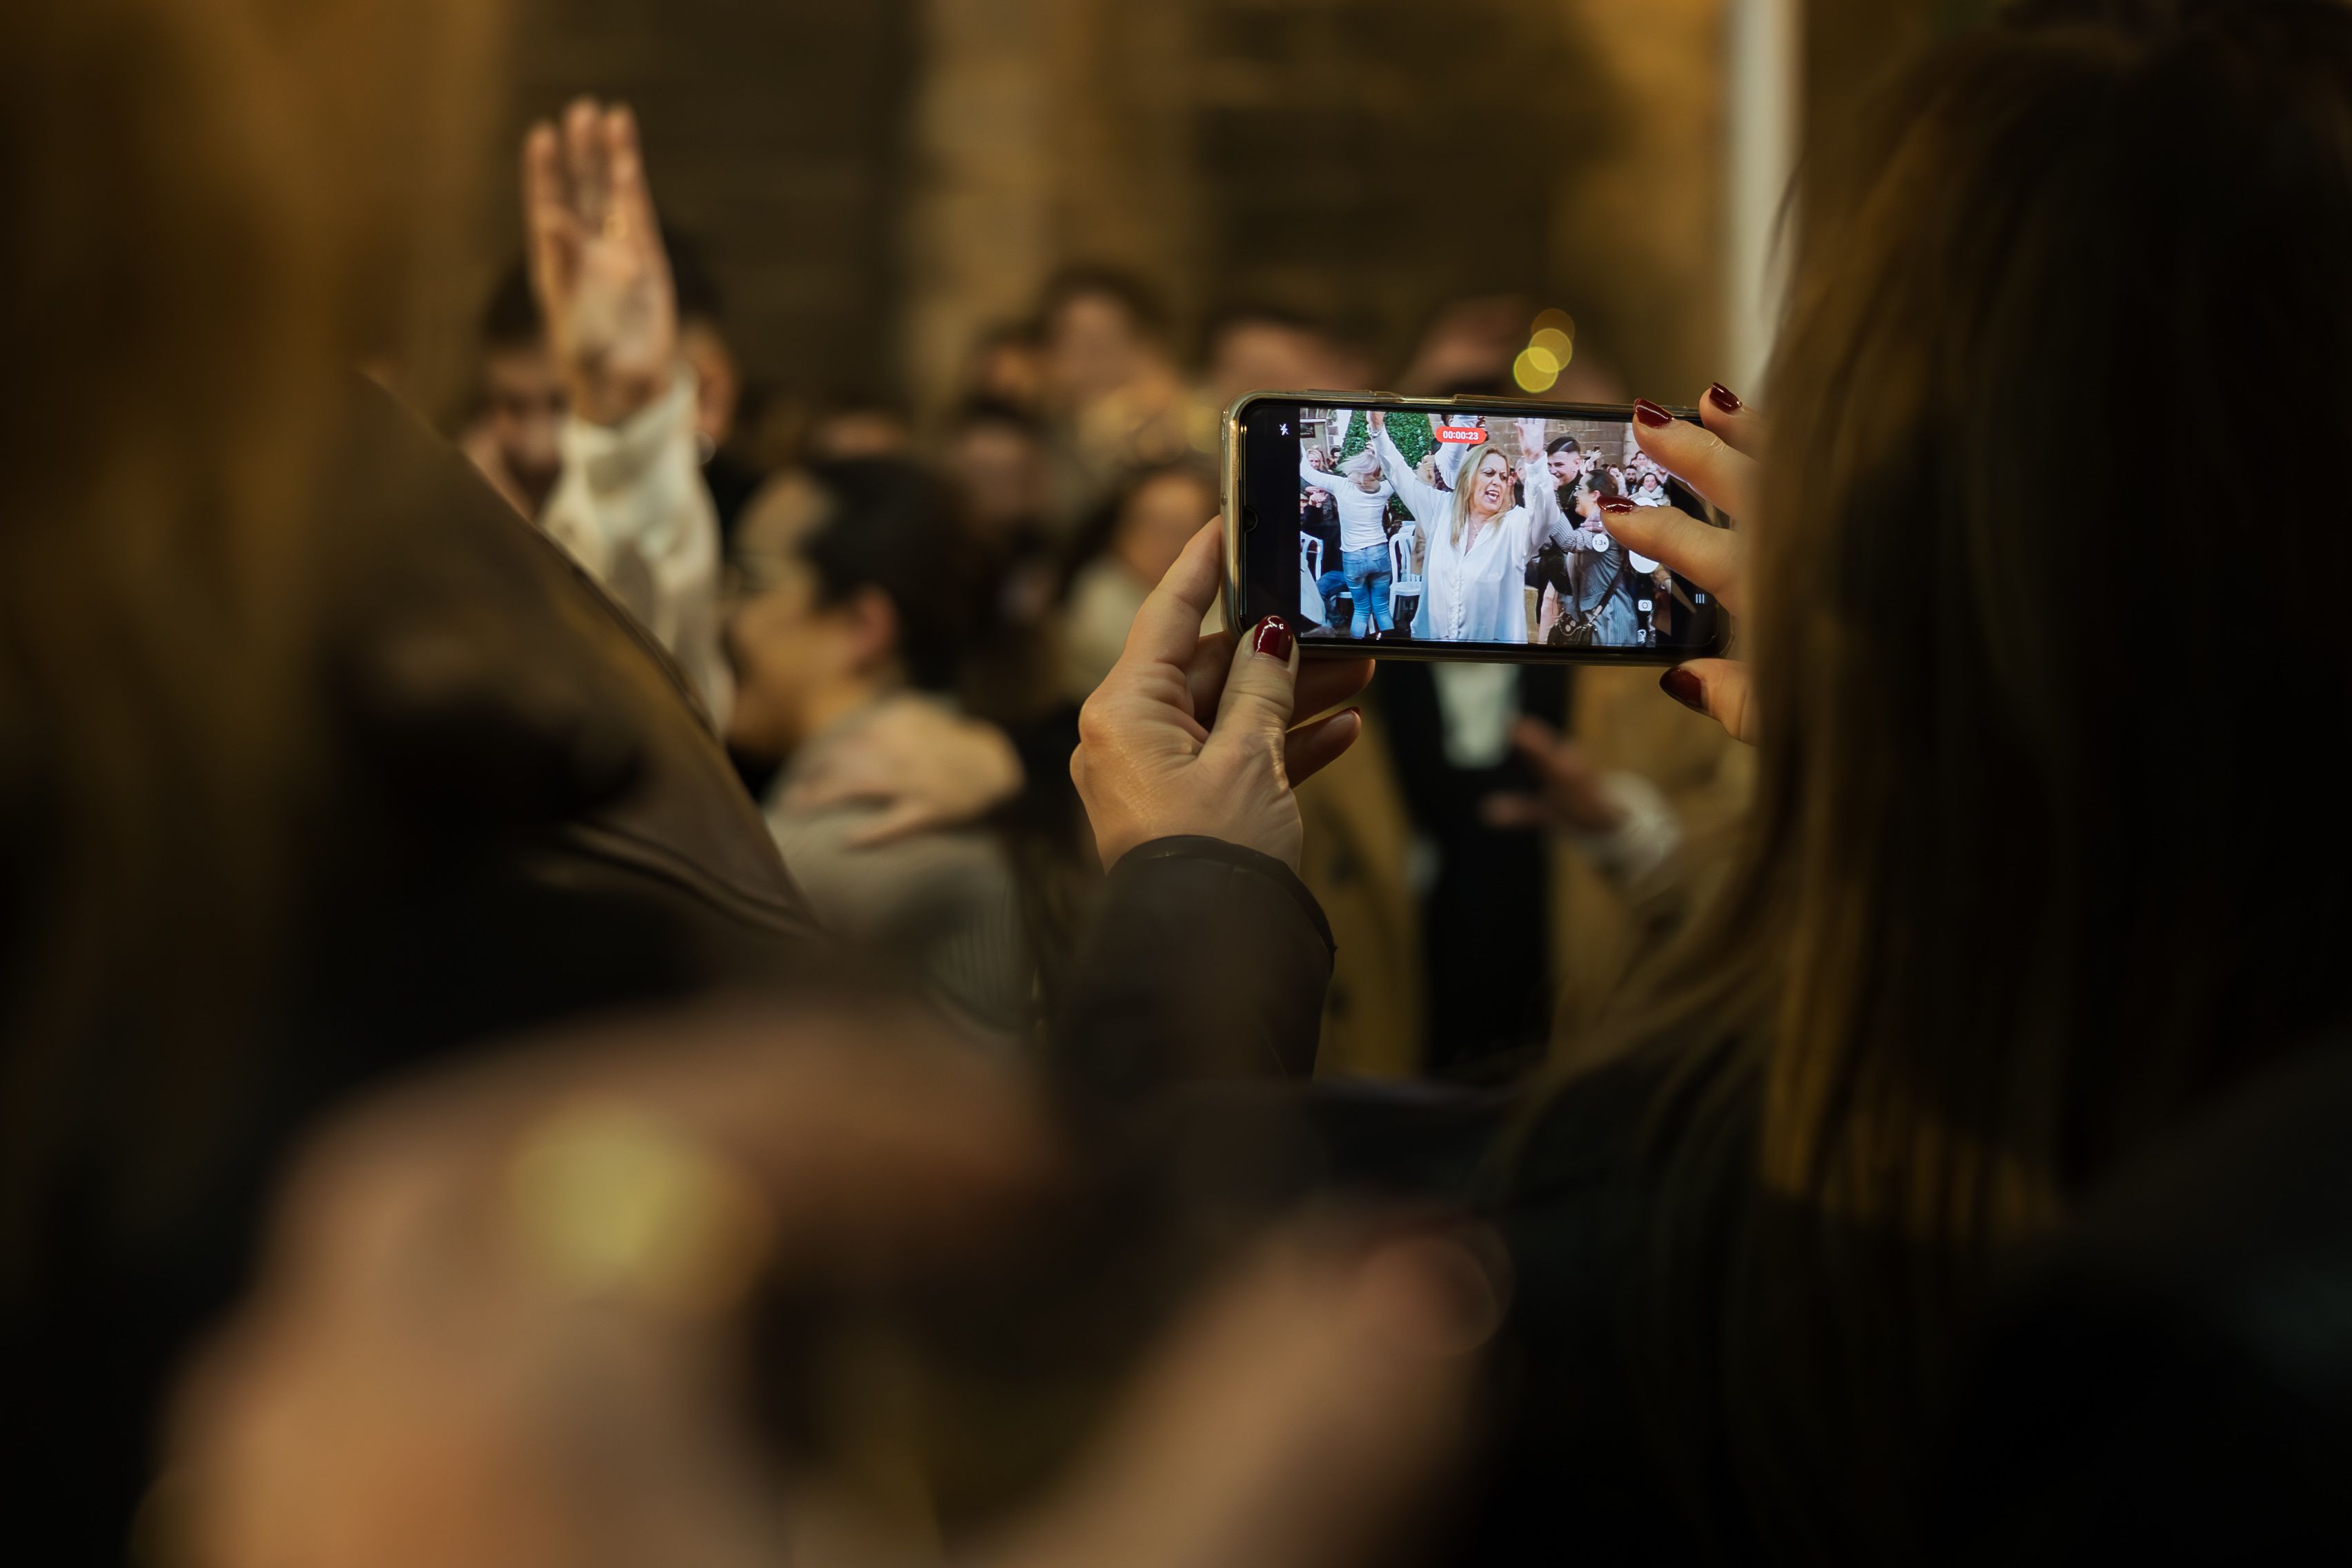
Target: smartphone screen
x,y
1456,530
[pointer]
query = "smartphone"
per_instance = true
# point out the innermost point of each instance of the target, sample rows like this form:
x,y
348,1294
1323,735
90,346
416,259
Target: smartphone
x,y
1430,528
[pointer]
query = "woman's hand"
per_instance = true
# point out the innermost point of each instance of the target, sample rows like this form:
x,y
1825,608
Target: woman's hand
x,y
1192,735
925,767
1718,462
1533,470
486,1327
506,1318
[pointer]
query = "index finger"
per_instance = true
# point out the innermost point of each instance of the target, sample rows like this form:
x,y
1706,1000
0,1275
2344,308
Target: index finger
x,y
546,203
1715,559
1304,1408
1703,460
840,1140
1741,427
583,152
1168,628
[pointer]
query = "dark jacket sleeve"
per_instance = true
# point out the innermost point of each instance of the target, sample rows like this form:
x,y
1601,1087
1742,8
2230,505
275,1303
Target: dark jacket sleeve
x,y
1207,961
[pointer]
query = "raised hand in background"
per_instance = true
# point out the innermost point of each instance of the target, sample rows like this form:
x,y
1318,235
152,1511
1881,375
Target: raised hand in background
x,y
1531,440
597,261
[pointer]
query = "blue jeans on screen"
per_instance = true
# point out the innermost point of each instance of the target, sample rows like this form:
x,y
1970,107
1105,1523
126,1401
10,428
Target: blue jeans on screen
x,y
1369,577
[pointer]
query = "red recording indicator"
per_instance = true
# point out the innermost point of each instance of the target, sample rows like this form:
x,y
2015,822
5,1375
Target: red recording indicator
x,y
1461,435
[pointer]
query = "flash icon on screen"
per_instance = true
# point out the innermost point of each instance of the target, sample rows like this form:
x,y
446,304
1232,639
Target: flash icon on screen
x,y
1286,429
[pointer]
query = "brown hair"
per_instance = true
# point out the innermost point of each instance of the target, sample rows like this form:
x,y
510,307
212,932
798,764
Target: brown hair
x,y
211,205
2038,863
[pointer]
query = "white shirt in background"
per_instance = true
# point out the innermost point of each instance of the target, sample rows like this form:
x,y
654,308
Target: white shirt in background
x,y
1362,512
1450,453
632,509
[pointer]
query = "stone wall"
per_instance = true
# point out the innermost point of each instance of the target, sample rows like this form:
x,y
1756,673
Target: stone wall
x,y
776,134
877,181
1363,158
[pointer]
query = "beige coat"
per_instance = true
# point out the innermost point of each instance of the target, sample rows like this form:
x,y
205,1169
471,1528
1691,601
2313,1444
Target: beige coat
x,y
1358,836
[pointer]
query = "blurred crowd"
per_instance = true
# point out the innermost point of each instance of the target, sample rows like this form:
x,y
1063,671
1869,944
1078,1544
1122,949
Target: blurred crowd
x,y
846,582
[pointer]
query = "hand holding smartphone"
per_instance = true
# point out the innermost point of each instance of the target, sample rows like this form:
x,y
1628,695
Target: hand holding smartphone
x,y
1468,529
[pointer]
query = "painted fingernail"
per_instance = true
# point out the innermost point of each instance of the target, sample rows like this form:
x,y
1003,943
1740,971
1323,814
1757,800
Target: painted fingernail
x,y
1274,638
1723,397
1648,412
1618,503
1683,686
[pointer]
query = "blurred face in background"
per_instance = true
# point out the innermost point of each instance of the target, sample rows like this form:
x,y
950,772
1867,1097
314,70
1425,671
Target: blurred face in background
x,y
1566,466
1365,471
523,407
1000,470
1012,370
794,656
845,433
1094,346
1266,357
717,385
1159,520
1470,346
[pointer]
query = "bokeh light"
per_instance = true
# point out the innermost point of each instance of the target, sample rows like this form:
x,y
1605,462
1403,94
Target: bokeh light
x,y
1535,371
612,1199
1554,320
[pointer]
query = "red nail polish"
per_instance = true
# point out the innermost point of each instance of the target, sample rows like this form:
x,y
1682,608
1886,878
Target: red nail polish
x,y
1617,503
1274,638
1651,415
1723,397
1683,686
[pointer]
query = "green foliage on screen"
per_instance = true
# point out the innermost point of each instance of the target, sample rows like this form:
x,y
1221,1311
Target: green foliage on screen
x,y
1411,432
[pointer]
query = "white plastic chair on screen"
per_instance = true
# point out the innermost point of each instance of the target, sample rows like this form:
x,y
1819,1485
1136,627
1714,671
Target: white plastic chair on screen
x,y
1310,573
1401,573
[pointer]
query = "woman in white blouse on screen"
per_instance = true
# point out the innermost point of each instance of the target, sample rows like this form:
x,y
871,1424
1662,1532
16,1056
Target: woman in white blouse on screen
x,y
1480,538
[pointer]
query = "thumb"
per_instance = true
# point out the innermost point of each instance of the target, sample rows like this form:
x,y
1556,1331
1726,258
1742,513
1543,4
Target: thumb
x,y
1261,690
1719,687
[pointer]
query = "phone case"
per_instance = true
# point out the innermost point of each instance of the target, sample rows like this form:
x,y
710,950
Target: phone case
x,y
1231,494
